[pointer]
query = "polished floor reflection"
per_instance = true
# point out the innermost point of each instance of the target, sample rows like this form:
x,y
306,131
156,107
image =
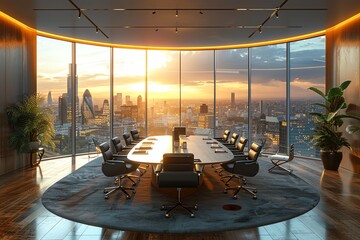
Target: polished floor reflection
x,y
22,215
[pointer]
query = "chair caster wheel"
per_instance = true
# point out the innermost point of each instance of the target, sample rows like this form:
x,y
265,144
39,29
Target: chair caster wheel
x,y
192,215
196,207
225,191
128,197
166,215
254,197
255,191
106,197
235,197
134,184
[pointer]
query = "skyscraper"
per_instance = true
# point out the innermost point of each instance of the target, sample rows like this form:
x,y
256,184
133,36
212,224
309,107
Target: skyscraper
x,y
49,99
127,100
106,108
87,107
232,104
204,108
62,108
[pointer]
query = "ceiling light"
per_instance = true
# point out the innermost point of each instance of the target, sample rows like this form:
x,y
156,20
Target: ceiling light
x,y
201,12
176,30
79,15
97,30
176,13
154,12
260,30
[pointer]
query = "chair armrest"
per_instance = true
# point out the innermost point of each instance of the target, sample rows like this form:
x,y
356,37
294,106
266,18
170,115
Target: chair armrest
x,y
119,156
199,168
240,157
158,168
115,161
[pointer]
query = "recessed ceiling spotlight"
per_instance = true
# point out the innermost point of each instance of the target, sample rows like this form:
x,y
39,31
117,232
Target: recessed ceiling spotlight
x,y
176,13
176,30
154,12
79,15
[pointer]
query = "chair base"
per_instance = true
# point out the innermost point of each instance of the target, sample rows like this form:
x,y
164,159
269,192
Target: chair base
x,y
277,165
231,177
109,190
169,208
237,189
179,204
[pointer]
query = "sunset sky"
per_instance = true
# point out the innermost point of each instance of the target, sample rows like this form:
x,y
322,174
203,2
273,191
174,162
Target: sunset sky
x,y
307,61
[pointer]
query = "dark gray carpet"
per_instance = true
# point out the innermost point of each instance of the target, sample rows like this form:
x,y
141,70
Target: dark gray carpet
x,y
79,197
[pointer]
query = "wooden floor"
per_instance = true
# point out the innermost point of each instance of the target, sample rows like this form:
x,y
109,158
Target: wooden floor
x,y
22,215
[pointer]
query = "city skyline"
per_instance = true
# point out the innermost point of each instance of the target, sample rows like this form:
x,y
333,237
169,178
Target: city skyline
x,y
197,75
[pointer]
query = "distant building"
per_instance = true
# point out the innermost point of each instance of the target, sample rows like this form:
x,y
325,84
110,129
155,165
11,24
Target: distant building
x,y
87,108
117,101
232,104
204,108
62,108
49,99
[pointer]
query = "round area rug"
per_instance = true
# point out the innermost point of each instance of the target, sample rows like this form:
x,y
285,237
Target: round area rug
x,y
79,197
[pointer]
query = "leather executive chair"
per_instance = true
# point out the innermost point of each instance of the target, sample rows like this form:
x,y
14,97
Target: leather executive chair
x,y
121,151
240,166
178,171
112,167
239,150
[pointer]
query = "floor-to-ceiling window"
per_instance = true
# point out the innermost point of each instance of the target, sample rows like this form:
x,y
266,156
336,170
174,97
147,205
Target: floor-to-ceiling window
x,y
93,96
163,91
156,90
307,69
268,95
54,84
197,92
231,91
129,91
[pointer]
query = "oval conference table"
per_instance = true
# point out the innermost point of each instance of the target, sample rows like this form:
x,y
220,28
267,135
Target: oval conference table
x,y
206,150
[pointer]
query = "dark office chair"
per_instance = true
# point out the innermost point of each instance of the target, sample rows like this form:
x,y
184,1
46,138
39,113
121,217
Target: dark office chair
x,y
239,147
121,151
225,137
112,167
240,166
178,171
176,132
239,150
278,160
118,147
233,140
135,135
128,141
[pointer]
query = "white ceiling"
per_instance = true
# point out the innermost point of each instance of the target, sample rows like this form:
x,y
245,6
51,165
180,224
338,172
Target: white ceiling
x,y
220,24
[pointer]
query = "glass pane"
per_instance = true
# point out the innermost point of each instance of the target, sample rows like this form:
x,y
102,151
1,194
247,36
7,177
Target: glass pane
x,y
93,100
268,95
307,69
129,91
53,83
232,92
163,92
197,92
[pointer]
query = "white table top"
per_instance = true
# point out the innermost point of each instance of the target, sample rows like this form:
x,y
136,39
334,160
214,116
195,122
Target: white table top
x,y
209,151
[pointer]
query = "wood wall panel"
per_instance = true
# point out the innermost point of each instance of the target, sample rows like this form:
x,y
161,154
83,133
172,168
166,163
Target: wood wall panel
x,y
17,77
343,63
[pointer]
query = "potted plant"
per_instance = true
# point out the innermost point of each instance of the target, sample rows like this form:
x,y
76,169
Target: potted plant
x,y
327,137
30,124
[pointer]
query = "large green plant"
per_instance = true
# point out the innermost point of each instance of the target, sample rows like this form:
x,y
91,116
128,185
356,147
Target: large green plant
x,y
30,122
327,137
